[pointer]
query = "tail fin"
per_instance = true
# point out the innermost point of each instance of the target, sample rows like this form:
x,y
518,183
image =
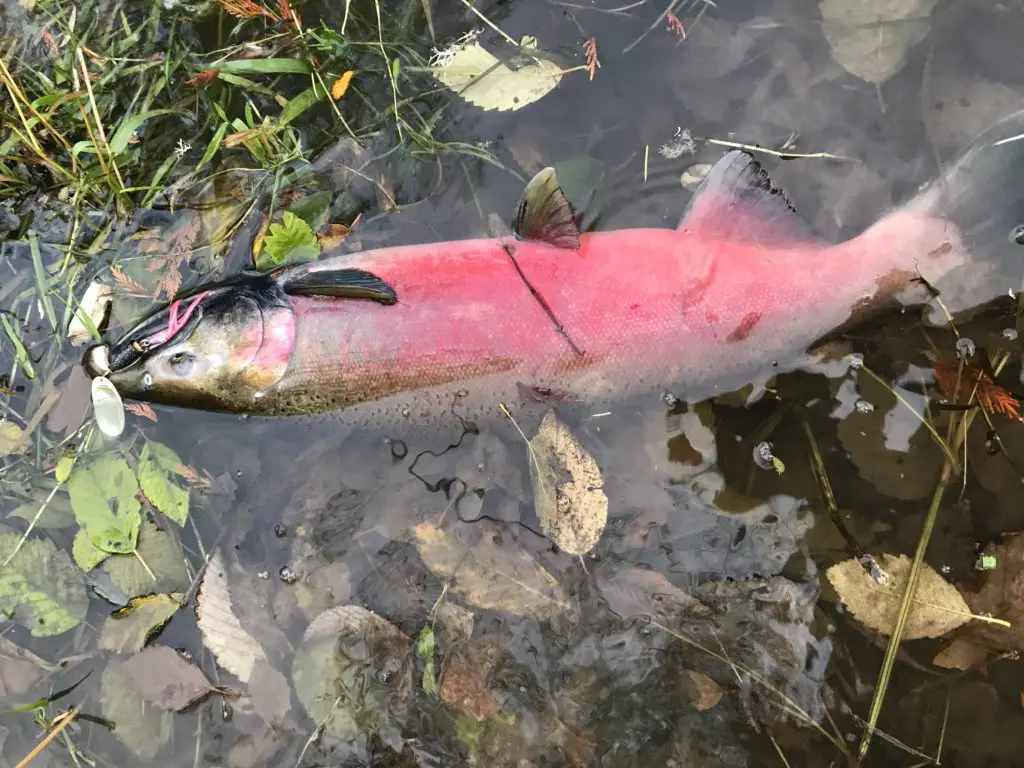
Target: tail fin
x,y
982,195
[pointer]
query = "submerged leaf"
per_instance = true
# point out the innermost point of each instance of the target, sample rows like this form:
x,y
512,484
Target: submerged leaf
x,y
706,692
103,497
233,648
163,678
937,607
481,79
351,667
271,694
161,553
40,588
140,727
871,38
10,438
487,576
129,628
157,465
87,555
960,654
567,488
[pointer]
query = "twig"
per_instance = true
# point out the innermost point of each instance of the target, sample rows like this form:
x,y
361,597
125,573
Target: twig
x,y
777,153
59,723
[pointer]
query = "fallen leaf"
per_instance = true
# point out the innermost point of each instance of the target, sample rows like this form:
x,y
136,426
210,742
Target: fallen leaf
x,y
40,588
705,691
1000,594
103,497
158,465
16,677
10,438
162,677
871,38
271,694
129,628
57,514
140,727
488,576
481,79
70,411
94,306
960,654
352,668
630,591
464,685
233,648
937,606
339,86
454,623
162,554
87,555
333,237
567,488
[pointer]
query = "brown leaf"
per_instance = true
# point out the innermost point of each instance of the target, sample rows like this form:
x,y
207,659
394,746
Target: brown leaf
x,y
704,691
567,487
490,576
937,607
1001,595
141,409
126,283
464,685
334,236
271,694
960,654
163,678
233,648
205,77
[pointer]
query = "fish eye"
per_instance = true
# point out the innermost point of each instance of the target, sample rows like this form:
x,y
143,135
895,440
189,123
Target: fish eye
x,y
147,380
182,363
1017,234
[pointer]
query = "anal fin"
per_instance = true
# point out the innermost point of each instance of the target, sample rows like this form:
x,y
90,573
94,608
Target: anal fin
x,y
545,214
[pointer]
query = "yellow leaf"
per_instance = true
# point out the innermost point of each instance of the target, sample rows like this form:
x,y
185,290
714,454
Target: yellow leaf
x,y
339,86
257,244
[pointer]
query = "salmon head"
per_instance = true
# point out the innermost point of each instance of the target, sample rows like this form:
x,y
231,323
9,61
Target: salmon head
x,y
217,348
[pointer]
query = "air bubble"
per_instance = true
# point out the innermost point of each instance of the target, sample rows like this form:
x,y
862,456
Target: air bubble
x,y
965,347
1010,334
863,406
856,360
288,576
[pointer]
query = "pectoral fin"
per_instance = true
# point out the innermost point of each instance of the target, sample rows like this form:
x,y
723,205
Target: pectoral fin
x,y
545,214
346,283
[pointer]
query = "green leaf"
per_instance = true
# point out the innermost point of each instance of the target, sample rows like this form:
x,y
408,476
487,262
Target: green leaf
x,y
125,129
57,513
87,555
162,553
103,497
312,209
20,353
157,465
64,466
131,627
291,241
266,66
40,588
214,145
426,646
300,104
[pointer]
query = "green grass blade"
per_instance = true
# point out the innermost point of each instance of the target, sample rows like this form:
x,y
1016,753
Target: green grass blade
x,y
266,66
42,284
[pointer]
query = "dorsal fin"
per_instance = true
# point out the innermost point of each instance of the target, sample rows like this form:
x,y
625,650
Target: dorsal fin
x,y
545,214
737,201
345,283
